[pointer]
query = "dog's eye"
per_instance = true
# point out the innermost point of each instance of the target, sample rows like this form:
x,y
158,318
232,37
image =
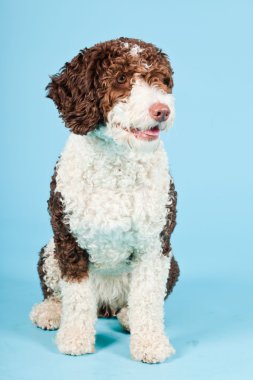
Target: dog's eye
x,y
121,78
166,81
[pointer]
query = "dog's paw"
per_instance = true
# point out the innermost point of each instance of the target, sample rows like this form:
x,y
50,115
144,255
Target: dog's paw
x,y
153,348
47,314
73,341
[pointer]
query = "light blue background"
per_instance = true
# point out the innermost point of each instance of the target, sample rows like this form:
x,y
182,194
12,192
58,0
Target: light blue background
x,y
209,316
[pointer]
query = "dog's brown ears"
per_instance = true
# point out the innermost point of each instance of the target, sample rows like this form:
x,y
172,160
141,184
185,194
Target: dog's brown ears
x,y
73,91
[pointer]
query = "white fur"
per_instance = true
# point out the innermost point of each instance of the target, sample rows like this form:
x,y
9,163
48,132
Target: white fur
x,y
76,335
114,199
110,290
146,315
133,113
134,48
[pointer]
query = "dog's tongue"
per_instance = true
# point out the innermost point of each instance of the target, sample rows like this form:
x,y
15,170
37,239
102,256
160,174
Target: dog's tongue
x,y
153,131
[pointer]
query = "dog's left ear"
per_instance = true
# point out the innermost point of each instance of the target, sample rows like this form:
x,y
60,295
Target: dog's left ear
x,y
73,91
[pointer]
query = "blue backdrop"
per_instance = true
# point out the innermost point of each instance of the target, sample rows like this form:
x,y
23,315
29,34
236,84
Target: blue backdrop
x,y
210,313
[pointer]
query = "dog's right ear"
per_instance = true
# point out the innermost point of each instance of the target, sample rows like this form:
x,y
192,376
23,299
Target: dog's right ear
x,y
74,93
58,89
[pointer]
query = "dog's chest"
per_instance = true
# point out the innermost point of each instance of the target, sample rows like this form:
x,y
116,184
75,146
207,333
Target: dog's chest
x,y
114,204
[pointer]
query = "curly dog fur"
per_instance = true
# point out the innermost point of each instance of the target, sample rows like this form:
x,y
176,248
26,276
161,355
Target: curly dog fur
x,y
112,201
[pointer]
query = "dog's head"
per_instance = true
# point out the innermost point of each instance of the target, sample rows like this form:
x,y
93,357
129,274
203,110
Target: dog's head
x,y
121,87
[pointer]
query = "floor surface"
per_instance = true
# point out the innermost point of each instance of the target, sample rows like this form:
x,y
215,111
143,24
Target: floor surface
x,y
206,320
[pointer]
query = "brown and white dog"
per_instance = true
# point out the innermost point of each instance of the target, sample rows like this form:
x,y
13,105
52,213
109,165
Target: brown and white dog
x,y
112,201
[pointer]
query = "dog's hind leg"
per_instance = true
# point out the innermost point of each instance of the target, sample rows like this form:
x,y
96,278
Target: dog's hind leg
x,y
47,314
123,318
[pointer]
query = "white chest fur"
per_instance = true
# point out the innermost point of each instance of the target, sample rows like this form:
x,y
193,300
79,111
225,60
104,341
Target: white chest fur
x,y
114,199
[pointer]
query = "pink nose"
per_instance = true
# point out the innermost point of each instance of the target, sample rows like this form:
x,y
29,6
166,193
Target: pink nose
x,y
159,111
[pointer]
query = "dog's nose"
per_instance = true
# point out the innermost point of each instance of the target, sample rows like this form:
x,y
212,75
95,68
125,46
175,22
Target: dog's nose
x,y
159,111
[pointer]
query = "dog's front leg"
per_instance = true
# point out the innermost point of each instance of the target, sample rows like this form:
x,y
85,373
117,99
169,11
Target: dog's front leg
x,y
76,335
146,310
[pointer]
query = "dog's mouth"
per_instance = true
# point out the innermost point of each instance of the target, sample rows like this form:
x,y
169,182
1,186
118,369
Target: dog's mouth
x,y
147,135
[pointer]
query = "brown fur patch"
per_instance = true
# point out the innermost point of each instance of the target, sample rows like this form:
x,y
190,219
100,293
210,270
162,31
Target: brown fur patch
x,y
170,221
73,260
174,273
166,236
86,88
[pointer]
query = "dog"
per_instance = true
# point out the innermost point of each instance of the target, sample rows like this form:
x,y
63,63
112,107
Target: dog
x,y
112,201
